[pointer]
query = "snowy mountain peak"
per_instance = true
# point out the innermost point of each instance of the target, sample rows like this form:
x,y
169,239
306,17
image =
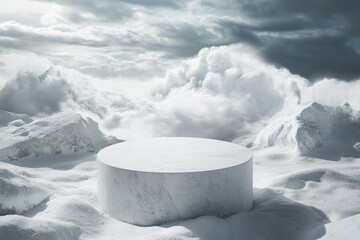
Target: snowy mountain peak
x,y
316,129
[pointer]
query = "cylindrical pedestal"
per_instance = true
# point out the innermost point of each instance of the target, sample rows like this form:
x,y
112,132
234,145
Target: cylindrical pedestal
x,y
154,181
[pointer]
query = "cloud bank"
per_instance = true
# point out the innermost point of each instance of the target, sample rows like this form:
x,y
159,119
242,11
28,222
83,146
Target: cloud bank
x,y
227,91
221,93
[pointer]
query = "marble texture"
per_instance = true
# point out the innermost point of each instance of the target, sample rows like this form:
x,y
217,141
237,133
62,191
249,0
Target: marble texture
x,y
154,181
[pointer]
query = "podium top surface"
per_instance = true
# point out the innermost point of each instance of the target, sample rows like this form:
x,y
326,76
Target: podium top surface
x,y
174,155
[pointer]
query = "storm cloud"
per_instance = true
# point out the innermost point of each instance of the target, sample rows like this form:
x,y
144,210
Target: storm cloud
x,y
310,38
142,39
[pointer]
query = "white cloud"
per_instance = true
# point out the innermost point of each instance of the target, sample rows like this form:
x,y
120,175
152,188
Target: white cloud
x,y
223,89
335,93
59,33
18,10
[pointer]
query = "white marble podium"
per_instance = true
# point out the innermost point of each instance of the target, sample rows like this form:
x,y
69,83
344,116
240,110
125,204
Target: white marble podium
x,y
158,180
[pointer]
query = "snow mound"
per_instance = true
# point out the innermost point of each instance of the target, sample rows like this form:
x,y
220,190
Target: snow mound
x,y
23,228
347,228
302,179
78,212
314,186
316,130
9,117
273,217
273,211
60,133
19,191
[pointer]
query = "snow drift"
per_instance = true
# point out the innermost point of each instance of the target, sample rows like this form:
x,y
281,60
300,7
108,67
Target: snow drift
x,y
23,228
316,129
61,133
20,190
312,185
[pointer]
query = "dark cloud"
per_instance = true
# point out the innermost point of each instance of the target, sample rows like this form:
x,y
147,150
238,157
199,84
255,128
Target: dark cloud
x,y
156,3
314,39
317,57
235,32
310,38
186,39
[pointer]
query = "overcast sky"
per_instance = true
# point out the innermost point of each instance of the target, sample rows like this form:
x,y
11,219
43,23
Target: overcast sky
x,y
139,40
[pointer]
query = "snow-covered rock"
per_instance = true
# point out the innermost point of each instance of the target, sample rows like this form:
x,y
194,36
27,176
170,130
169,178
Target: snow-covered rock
x,y
59,133
316,129
71,209
20,190
314,184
